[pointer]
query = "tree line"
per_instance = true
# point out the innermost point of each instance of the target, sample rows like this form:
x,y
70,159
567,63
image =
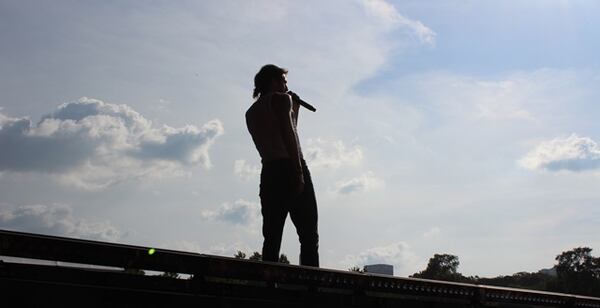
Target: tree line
x,y
256,256
576,272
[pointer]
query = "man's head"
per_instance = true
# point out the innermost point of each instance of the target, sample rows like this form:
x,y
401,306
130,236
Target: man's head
x,y
270,78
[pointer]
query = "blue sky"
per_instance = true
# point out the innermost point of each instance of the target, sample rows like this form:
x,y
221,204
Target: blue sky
x,y
462,127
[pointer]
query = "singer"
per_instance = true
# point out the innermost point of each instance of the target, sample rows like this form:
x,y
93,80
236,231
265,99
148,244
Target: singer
x,y
285,182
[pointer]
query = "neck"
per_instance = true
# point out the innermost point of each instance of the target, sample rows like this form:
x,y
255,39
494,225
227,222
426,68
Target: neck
x,y
267,93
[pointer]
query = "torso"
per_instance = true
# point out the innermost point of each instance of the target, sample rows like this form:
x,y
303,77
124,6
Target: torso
x,y
265,128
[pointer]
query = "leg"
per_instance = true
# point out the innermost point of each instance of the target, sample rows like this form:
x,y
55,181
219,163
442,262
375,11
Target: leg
x,y
304,216
274,199
274,213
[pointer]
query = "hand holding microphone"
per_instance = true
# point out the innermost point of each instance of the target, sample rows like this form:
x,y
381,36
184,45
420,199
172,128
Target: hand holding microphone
x,y
302,103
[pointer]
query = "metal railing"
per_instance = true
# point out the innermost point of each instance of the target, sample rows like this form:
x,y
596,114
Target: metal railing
x,y
221,281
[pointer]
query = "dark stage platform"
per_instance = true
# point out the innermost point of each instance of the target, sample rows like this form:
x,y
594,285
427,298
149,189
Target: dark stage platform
x,y
109,275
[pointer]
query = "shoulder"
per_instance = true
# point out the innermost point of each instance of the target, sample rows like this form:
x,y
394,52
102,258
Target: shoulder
x,y
250,110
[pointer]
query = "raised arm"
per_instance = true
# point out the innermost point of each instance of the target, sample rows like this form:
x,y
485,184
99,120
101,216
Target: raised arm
x,y
283,106
295,108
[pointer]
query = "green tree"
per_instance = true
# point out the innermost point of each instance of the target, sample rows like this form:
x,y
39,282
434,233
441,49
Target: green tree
x,y
525,280
283,259
256,256
442,267
356,269
578,272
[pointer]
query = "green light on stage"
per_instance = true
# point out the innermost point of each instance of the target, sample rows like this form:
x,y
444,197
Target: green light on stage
x,y
151,251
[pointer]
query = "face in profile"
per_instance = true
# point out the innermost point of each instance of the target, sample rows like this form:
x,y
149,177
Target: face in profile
x,y
280,84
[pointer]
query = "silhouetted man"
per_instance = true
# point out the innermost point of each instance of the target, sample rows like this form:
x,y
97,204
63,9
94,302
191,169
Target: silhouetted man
x,y
285,183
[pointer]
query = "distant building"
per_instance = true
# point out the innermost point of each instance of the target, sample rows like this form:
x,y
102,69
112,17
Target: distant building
x,y
384,269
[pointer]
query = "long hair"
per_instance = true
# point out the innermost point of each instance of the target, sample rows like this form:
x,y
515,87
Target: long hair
x,y
262,79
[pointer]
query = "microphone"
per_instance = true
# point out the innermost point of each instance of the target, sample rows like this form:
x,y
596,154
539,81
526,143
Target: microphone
x,y
302,103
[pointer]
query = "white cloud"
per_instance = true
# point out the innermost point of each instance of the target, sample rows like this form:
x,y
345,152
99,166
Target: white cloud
x,y
163,105
504,99
220,249
399,254
543,221
331,154
361,45
241,212
573,153
498,101
531,97
363,183
56,220
390,16
229,250
432,233
245,170
95,144
184,245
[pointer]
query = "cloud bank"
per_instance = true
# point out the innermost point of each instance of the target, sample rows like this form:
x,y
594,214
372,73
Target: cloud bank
x,y
245,170
398,254
331,154
94,144
363,183
432,233
573,153
388,14
56,220
241,212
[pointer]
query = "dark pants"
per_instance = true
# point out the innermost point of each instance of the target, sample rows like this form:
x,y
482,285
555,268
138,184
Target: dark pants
x,y
277,200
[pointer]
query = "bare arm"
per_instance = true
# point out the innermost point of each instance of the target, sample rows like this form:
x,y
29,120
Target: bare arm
x,y
283,106
295,108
